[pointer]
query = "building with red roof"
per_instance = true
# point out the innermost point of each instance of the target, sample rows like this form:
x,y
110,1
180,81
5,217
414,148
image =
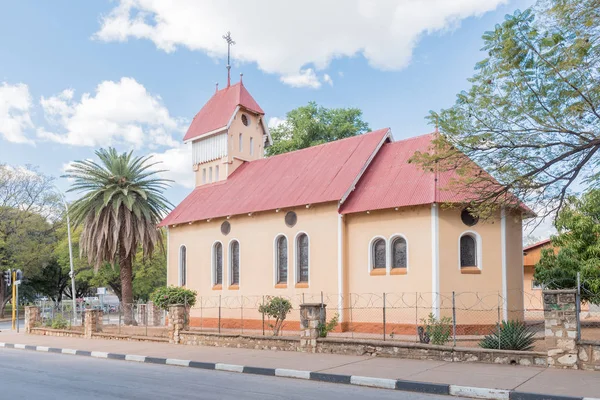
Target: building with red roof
x,y
345,218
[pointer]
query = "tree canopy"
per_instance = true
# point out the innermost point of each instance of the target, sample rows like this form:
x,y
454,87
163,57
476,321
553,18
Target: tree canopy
x,y
531,117
578,248
312,124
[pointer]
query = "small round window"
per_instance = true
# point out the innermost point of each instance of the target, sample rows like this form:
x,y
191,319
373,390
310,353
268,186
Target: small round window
x,y
245,120
225,227
468,218
291,218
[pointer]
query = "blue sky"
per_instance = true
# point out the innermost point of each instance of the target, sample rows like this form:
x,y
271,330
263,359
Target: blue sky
x,y
145,70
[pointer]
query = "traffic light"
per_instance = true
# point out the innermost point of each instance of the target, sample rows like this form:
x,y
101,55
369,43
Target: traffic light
x,y
19,275
7,275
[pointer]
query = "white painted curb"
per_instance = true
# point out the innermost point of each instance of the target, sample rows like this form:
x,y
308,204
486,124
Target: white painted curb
x,y
181,363
69,351
20,346
133,357
373,382
292,373
479,393
99,354
42,348
229,367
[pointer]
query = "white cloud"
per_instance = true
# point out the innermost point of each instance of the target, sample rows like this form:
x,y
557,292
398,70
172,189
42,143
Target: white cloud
x,y
305,78
15,105
178,165
301,36
274,122
120,112
327,79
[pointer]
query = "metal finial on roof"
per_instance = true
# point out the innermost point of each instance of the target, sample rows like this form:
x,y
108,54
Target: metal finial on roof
x,y
216,87
230,42
241,77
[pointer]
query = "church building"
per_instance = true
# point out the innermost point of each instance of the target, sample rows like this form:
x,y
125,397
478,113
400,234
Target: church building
x,y
344,218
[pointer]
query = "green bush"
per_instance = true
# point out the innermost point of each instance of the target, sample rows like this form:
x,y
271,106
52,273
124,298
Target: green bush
x,y
59,322
277,308
325,328
438,331
171,295
509,335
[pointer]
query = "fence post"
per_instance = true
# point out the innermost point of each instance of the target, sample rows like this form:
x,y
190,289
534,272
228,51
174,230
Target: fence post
x,y
263,315
578,307
417,314
201,314
454,318
242,314
383,316
498,324
219,313
350,327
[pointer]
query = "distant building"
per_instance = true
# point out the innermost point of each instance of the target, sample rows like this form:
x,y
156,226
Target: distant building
x,y
352,216
533,291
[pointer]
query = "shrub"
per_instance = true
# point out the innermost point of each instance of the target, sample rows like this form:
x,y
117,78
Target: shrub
x,y
438,331
59,322
325,327
509,335
167,296
277,308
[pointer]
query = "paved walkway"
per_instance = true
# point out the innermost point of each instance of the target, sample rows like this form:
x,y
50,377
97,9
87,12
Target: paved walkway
x,y
522,379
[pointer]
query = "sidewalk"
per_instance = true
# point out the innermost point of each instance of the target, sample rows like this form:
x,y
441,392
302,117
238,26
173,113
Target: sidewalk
x,y
581,384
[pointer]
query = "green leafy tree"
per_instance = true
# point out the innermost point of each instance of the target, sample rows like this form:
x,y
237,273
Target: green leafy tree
x,y
578,244
311,125
532,115
277,308
121,205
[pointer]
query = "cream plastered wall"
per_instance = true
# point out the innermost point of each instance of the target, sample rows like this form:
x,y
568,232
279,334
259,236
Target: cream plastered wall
x,y
366,289
256,235
254,130
206,167
479,293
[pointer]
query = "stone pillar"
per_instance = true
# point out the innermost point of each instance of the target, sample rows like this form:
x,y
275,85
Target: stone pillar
x,y
560,314
311,314
32,318
178,321
154,314
92,322
141,314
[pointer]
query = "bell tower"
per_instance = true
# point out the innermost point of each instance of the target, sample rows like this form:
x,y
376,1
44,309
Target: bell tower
x,y
227,132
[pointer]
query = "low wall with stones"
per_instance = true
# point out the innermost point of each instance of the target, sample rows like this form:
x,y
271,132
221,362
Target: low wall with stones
x,y
239,341
589,355
56,332
417,351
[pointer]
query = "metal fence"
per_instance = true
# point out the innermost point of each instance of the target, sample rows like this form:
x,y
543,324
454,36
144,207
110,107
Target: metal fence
x,y
588,321
463,319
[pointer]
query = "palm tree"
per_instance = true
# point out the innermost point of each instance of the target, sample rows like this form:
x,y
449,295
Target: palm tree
x,y
121,205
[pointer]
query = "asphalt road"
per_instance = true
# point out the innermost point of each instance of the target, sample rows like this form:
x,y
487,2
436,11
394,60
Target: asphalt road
x,y
31,375
6,326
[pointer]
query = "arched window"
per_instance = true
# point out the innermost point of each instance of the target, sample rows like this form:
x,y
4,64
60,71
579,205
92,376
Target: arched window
x,y
468,251
251,146
217,264
234,260
378,254
399,252
302,258
182,266
240,143
281,259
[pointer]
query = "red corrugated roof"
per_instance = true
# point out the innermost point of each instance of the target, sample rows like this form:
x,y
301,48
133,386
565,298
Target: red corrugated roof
x,y
391,181
314,175
217,112
538,244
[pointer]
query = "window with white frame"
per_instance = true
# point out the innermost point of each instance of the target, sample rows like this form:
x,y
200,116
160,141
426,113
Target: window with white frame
x,y
399,249
234,260
182,266
281,259
216,173
251,146
468,251
302,258
378,254
210,175
217,264
203,175
241,143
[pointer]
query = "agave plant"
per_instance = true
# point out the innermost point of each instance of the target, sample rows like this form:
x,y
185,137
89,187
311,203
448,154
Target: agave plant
x,y
509,335
122,202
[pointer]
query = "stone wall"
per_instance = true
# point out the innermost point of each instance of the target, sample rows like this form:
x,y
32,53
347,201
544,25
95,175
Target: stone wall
x,y
589,355
56,332
32,318
417,351
239,341
560,315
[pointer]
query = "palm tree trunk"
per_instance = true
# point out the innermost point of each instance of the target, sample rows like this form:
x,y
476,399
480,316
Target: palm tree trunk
x,y
126,274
